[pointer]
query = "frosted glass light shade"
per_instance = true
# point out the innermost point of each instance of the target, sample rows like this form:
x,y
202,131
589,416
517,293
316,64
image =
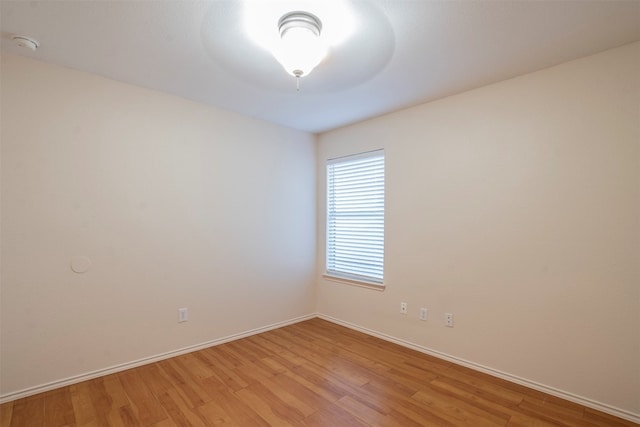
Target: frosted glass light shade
x,y
301,48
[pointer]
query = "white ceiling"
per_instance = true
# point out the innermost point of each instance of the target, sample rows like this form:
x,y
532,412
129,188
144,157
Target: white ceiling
x,y
401,52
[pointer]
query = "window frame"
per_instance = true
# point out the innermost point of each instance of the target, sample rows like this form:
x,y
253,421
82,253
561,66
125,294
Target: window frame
x,y
363,280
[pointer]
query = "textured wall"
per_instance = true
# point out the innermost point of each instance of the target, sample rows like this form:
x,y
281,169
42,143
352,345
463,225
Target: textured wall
x,y
516,207
174,203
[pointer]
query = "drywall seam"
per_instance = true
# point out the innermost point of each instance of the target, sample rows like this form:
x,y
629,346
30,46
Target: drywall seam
x,y
621,413
145,361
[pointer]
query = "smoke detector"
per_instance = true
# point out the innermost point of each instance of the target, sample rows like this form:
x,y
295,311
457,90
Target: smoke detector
x,y
26,42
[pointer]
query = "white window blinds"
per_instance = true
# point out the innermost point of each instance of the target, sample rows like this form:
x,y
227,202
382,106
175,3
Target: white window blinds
x,y
355,217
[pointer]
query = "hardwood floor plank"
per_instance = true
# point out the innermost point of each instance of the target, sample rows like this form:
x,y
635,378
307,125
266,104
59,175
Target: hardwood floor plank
x,y
522,420
179,410
297,395
325,377
242,414
187,384
410,381
333,415
340,365
321,382
332,348
488,402
313,373
128,416
6,411
458,412
403,407
222,373
147,409
567,413
215,415
417,417
106,414
155,379
114,388
361,411
270,407
83,409
194,367
480,386
58,409
605,420
279,353
272,365
28,412
246,350
226,356
252,373
476,397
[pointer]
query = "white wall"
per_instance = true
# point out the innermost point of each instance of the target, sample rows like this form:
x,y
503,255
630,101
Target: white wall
x,y
517,208
176,204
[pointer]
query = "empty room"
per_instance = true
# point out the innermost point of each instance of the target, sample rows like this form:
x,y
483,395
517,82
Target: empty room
x,y
319,213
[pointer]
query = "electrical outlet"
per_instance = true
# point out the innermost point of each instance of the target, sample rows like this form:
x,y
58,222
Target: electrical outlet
x,y
423,313
183,315
403,308
448,319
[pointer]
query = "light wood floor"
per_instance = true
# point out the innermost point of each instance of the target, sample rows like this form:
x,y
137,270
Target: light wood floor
x,y
314,373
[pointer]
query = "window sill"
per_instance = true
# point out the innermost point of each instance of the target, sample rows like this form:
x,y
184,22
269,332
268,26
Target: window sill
x,y
352,282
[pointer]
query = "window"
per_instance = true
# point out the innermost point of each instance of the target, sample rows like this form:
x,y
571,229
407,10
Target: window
x,y
355,217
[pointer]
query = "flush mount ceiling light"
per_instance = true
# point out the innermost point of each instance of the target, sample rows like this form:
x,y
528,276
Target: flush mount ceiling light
x,y
355,36
301,49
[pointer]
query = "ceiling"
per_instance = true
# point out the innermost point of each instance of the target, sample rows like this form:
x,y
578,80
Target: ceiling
x,y
395,54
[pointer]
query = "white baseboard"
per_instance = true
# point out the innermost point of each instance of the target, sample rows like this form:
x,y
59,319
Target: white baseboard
x,y
144,361
621,413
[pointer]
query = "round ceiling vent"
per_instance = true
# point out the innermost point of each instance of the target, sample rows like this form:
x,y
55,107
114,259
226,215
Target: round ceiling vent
x,y
26,42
